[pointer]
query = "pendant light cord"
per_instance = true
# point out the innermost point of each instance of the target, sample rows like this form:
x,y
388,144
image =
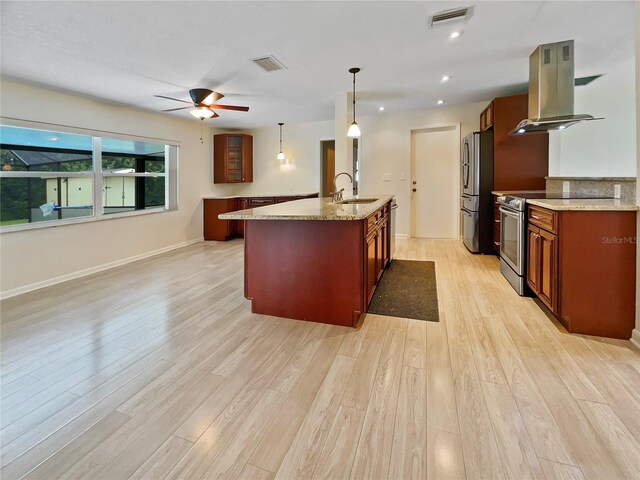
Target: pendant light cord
x,y
354,97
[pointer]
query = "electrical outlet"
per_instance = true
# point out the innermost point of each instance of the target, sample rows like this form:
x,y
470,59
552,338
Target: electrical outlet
x,y
565,187
403,177
617,193
291,186
386,177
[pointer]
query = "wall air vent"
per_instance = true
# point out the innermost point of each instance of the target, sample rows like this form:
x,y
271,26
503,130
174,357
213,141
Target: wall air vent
x,y
269,63
447,17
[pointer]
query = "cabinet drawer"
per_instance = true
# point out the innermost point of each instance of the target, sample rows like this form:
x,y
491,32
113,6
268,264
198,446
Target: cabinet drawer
x,y
543,218
260,202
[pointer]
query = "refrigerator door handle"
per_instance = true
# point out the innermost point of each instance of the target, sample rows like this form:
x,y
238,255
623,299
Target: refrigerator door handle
x,y
465,164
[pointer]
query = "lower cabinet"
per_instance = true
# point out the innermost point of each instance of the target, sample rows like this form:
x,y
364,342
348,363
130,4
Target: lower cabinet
x,y
542,260
221,230
376,249
581,265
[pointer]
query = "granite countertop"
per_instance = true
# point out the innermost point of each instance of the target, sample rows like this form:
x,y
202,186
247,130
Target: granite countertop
x,y
311,209
586,204
260,195
515,192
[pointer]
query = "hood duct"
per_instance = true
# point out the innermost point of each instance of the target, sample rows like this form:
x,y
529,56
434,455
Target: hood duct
x,y
551,85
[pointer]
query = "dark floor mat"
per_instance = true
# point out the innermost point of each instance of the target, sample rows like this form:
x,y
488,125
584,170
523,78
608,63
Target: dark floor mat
x,y
407,289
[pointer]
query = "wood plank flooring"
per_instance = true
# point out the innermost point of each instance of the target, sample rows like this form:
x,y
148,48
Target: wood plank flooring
x,y
158,370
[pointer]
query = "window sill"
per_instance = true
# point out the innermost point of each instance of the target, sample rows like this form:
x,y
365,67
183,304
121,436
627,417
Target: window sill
x,y
60,223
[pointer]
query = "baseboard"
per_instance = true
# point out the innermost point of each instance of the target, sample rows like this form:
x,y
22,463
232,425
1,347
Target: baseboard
x,y
89,271
401,236
635,337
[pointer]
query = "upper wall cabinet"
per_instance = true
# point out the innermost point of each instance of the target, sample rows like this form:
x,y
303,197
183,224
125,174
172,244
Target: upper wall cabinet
x,y
232,158
486,118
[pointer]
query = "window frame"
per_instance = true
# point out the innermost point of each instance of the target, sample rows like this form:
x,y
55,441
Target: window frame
x,y
172,153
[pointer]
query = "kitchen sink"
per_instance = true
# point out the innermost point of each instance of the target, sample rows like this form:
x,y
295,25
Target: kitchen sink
x,y
353,201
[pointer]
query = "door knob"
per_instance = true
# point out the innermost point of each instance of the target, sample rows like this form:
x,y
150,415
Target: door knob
x,y
414,182
414,189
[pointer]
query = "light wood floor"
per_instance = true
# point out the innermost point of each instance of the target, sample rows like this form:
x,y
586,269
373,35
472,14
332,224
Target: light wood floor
x,y
158,370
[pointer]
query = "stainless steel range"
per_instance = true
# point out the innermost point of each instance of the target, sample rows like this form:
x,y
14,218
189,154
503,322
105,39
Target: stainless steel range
x,y
513,236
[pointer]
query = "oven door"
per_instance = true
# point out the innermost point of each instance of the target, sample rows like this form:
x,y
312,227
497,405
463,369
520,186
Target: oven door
x,y
512,239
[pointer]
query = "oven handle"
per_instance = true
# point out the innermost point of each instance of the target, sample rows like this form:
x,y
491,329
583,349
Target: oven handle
x,y
511,213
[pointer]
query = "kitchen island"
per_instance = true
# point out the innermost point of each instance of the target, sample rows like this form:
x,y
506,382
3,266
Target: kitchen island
x,y
314,259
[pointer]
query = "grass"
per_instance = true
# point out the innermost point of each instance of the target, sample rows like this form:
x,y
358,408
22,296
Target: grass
x,y
4,223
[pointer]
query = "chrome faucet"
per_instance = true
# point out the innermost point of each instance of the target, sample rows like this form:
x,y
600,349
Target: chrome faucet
x,y
337,195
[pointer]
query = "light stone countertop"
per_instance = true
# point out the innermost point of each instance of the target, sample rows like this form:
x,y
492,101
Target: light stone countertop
x,y
586,204
311,209
261,195
515,192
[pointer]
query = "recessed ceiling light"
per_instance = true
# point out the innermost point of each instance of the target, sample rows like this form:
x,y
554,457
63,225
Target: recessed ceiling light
x,y
445,78
381,109
455,34
440,102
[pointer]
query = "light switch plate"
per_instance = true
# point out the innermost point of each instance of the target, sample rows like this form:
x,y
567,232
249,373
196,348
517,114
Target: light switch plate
x,y
617,193
403,176
386,177
565,187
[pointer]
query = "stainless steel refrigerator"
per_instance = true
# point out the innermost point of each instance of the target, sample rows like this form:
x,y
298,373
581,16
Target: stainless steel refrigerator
x,y
476,203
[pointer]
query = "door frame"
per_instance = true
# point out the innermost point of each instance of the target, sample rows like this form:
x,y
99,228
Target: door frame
x,y
456,126
321,169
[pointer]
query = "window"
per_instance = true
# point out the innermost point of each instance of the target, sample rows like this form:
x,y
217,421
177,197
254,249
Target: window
x,y
49,177
134,175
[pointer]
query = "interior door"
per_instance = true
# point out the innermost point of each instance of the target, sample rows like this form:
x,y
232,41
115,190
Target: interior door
x,y
435,195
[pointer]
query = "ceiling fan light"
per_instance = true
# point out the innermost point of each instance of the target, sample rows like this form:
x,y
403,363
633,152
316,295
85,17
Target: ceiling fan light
x,y
354,130
202,113
281,156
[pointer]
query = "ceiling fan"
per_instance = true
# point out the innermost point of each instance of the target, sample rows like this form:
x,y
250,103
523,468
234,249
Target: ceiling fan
x,y
203,103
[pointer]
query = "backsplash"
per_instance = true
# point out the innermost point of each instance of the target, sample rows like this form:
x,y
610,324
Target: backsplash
x,y
595,186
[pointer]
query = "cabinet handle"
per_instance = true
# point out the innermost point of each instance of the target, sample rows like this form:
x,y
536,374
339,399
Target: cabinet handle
x,y
497,243
536,217
497,221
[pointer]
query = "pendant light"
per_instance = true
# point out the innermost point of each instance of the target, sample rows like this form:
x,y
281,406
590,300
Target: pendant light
x,y
280,154
354,129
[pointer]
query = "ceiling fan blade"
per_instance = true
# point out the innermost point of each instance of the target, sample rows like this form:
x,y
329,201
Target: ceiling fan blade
x,y
174,109
171,98
204,95
230,107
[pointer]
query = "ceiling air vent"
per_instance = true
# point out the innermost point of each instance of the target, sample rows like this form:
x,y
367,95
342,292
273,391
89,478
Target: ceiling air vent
x,y
269,63
447,17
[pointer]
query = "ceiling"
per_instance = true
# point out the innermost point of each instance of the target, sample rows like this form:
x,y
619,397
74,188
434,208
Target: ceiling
x,y
127,52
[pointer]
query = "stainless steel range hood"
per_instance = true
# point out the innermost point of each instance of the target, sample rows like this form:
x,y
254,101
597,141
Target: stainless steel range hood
x,y
551,84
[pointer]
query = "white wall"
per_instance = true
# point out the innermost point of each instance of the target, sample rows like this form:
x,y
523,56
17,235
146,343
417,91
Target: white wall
x,y
386,148
300,172
635,335
600,148
33,256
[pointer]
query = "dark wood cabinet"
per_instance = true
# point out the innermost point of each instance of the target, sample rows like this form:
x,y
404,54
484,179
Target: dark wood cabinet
x,y
486,118
376,249
221,230
232,158
581,265
520,162
371,271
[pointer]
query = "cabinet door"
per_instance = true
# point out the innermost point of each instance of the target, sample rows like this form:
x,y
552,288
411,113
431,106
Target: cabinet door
x,y
384,239
234,166
247,158
371,271
548,280
379,254
533,258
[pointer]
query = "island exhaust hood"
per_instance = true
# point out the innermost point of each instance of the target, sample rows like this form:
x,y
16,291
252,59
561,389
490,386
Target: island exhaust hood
x,y
551,84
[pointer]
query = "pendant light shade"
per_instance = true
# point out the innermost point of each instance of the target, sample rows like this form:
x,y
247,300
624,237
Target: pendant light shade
x,y
202,113
354,129
280,154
